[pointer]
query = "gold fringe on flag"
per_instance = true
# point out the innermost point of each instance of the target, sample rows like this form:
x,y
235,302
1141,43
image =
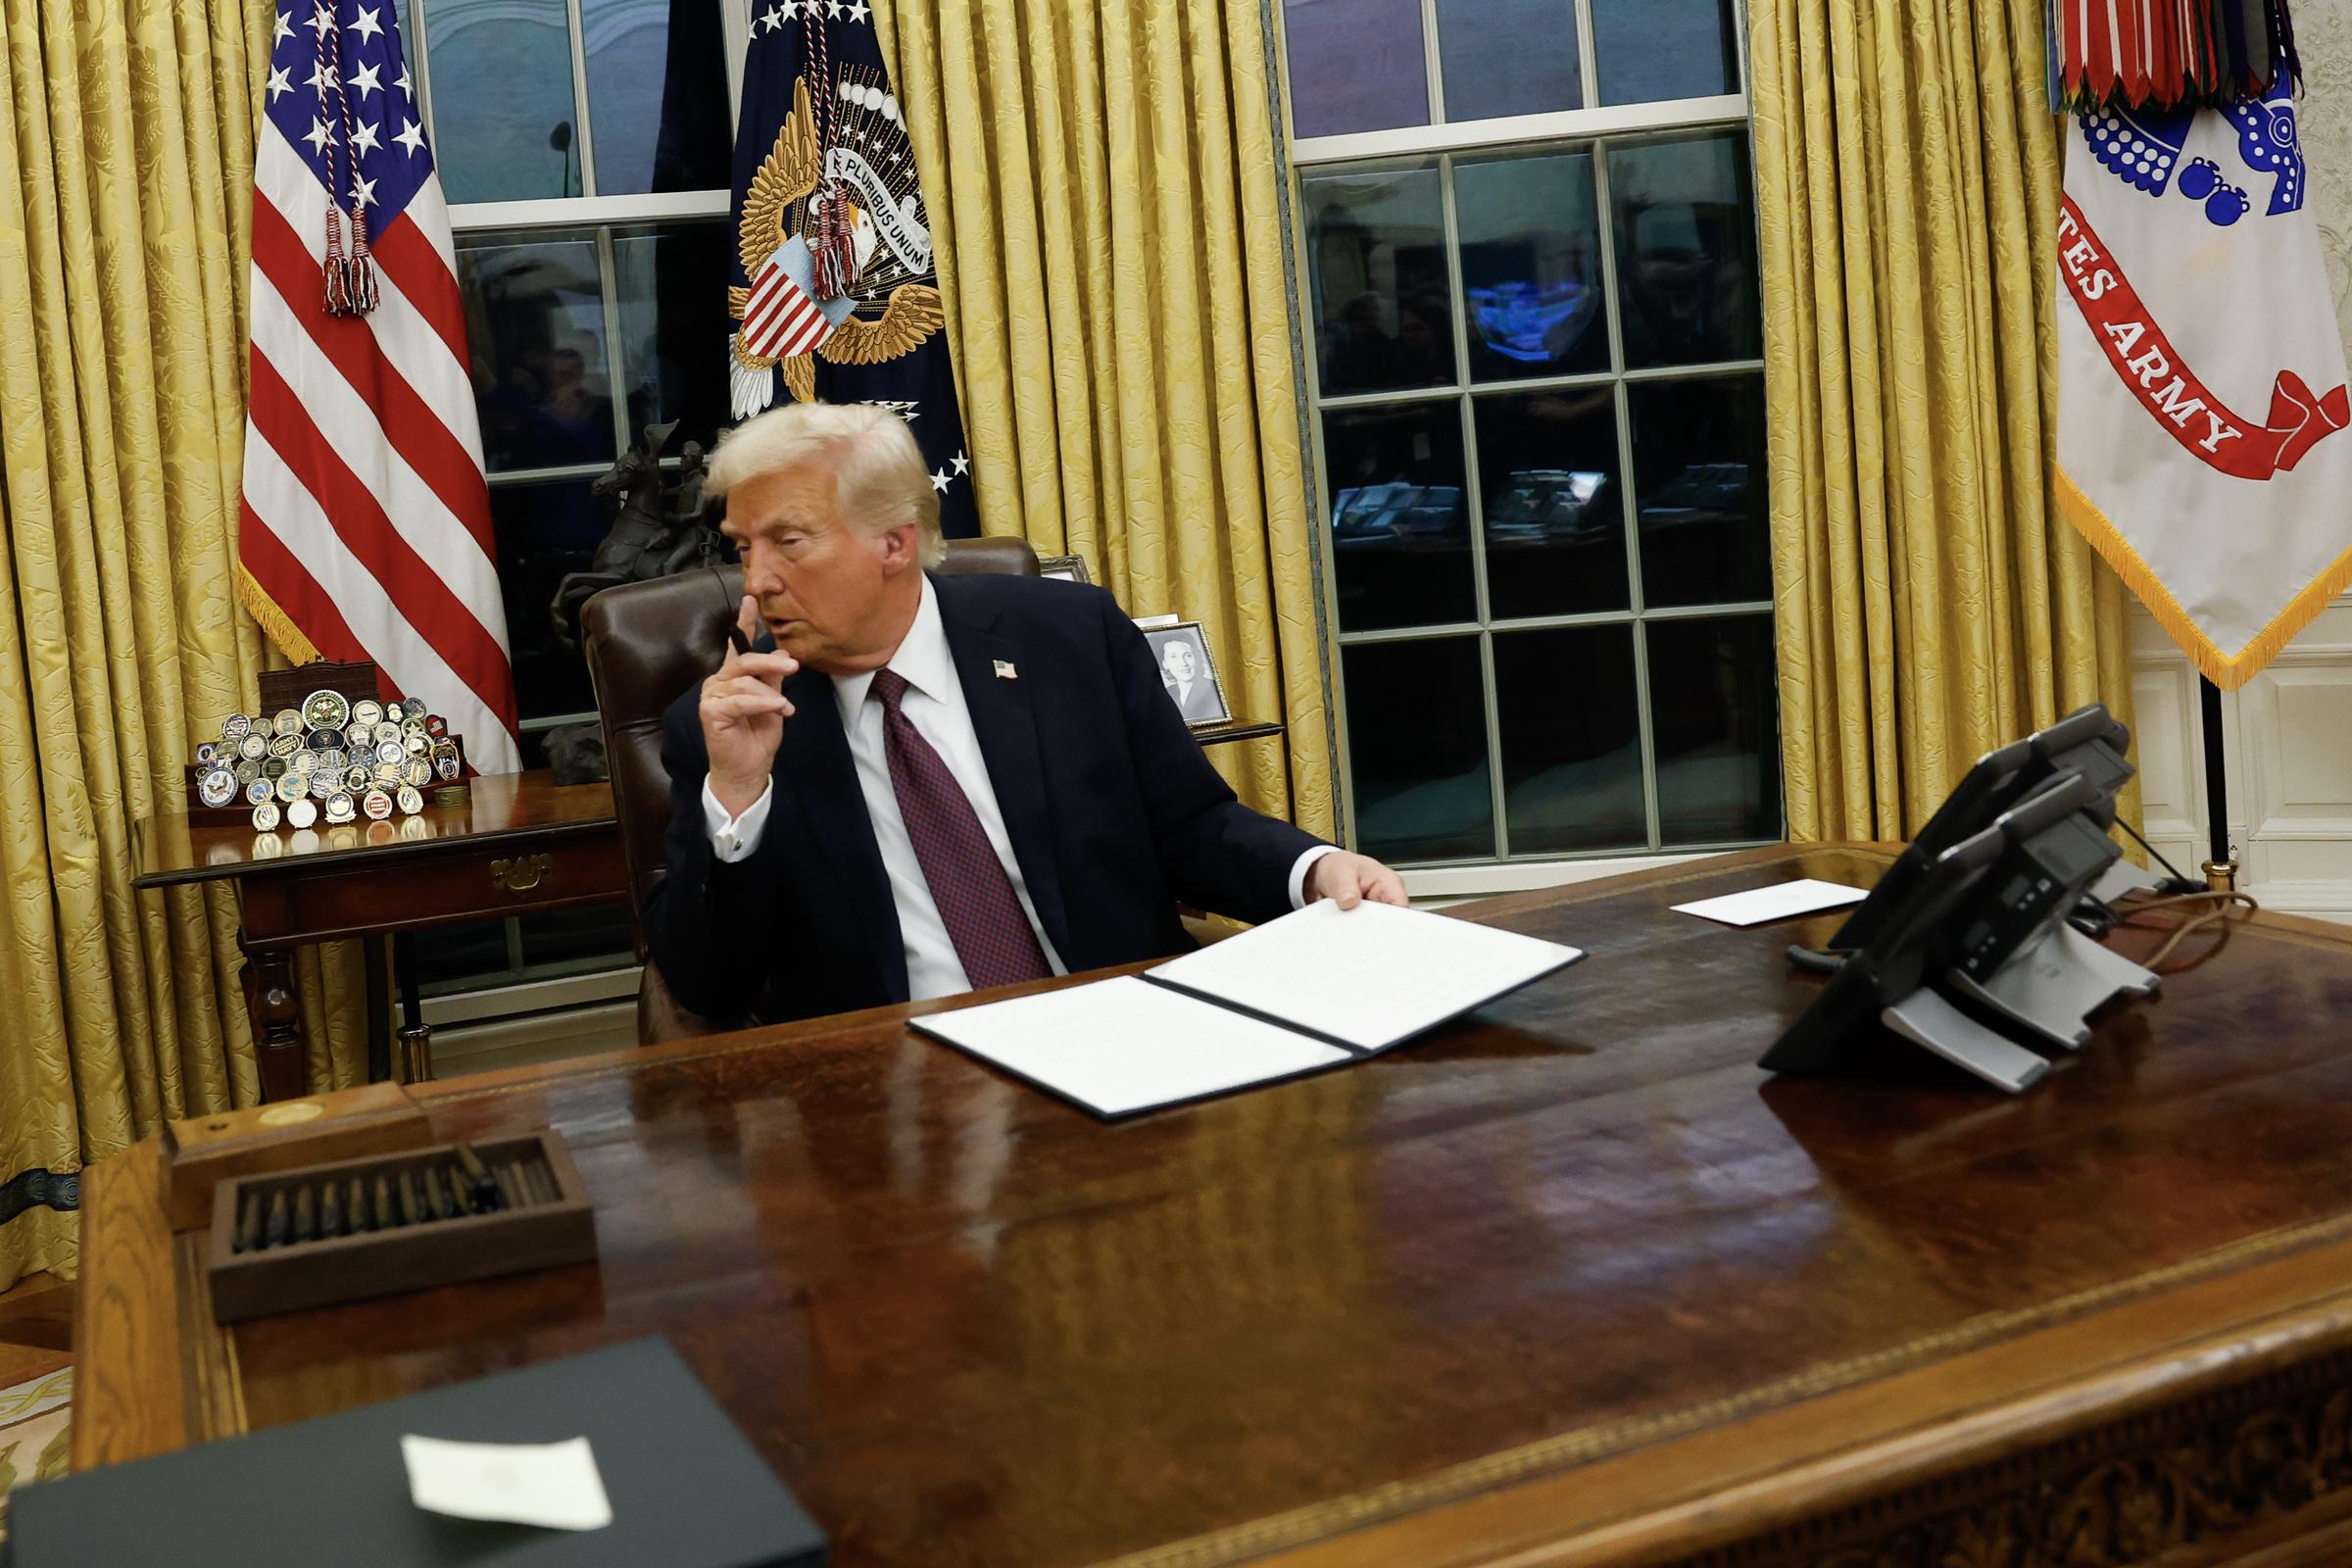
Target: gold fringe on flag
x,y
2227,670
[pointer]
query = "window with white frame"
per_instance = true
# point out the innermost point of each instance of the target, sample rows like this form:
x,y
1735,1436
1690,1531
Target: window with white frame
x,y
585,147
1533,318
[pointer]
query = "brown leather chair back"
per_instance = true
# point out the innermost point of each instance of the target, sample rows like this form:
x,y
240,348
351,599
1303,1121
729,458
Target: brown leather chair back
x,y
648,642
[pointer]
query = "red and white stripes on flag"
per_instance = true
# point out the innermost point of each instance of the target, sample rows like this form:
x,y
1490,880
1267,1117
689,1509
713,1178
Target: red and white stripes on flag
x,y
783,316
364,527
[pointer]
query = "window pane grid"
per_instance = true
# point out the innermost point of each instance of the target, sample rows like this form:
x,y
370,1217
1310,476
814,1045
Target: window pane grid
x,y
1679,286
520,244
1362,66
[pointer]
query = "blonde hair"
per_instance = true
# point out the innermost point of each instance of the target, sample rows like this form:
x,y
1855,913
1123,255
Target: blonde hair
x,y
881,481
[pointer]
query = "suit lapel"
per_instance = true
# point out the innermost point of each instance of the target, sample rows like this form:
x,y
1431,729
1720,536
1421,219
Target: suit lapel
x,y
814,770
1007,735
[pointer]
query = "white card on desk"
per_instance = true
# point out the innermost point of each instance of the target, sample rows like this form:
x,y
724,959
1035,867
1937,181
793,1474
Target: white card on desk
x,y
1366,978
553,1485
1121,1045
1780,901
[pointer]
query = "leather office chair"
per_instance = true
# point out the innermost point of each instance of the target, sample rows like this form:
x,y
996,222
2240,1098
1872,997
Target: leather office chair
x,y
646,643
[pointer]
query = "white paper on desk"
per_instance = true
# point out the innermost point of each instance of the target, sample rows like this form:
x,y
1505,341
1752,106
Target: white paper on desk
x,y
1122,1046
1780,901
552,1485
1367,977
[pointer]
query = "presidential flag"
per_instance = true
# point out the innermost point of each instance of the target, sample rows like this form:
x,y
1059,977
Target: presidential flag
x,y
834,284
2201,381
365,528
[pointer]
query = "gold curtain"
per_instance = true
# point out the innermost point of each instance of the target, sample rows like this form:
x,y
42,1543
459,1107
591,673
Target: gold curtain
x,y
1932,603
1103,182
125,184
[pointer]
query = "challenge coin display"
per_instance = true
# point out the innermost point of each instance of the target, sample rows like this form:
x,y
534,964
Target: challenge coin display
x,y
291,766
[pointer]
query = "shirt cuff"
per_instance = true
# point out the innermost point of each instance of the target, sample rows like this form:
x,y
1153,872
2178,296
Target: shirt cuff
x,y
1298,868
734,838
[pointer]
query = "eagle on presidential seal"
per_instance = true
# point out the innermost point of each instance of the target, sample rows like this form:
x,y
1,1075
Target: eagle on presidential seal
x,y
860,161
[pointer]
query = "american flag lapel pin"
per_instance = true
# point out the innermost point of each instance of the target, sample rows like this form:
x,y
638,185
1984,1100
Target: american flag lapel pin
x,y
1005,671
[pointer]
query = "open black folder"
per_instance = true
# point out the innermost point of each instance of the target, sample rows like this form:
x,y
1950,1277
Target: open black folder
x,y
687,1491
1316,989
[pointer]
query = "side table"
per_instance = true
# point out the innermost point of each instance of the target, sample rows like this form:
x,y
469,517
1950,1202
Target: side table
x,y
517,844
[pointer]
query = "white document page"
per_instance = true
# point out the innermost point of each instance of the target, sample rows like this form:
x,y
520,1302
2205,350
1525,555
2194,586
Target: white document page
x,y
1369,976
1122,1046
1780,901
553,1485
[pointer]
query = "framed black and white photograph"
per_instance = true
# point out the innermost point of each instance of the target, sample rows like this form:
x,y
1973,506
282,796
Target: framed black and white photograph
x,y
1067,568
1182,653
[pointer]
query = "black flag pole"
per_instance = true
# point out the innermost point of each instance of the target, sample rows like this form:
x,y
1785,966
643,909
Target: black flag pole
x,y
2220,869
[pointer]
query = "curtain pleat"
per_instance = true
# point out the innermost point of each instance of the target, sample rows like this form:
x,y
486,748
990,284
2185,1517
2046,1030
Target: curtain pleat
x,y
1930,601
1104,182
126,182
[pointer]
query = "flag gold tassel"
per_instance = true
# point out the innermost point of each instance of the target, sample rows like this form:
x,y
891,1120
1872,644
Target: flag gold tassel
x,y
2227,670
274,623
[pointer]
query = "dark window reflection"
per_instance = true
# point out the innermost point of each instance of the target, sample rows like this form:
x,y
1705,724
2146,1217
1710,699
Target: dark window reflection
x,y
1384,314
657,96
1417,749
543,531
1571,740
1650,50
1685,237
535,324
504,122
1554,518
452,954
574,936
1508,57
1699,486
1400,522
1355,65
673,329
1714,718
1530,267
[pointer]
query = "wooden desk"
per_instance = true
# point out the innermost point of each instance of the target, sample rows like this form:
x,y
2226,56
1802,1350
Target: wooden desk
x,y
1572,1282
518,844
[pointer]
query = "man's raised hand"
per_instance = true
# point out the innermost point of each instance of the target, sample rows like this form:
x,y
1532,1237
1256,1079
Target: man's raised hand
x,y
743,712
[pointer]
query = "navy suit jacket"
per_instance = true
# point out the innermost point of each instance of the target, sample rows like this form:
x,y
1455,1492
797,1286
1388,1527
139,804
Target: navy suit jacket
x,y
1113,811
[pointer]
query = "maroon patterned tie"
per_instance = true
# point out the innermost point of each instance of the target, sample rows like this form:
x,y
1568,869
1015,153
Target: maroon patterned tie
x,y
976,902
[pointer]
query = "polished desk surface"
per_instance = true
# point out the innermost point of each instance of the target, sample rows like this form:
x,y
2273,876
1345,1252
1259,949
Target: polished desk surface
x,y
1573,1267
512,808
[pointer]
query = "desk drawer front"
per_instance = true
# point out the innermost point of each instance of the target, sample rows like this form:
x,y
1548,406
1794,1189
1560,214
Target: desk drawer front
x,y
429,890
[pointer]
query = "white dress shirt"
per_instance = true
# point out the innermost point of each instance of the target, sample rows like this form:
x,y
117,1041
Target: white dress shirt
x,y
935,705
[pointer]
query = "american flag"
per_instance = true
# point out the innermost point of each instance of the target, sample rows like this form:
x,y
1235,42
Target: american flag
x,y
365,520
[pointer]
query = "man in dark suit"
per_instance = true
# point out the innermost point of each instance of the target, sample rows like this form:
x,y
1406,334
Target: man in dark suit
x,y
914,786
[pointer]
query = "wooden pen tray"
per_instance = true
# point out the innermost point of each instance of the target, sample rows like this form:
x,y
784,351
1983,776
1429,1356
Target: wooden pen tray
x,y
546,1219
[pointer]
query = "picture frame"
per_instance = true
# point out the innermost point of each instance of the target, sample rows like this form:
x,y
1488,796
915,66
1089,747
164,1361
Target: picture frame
x,y
1064,568
1201,698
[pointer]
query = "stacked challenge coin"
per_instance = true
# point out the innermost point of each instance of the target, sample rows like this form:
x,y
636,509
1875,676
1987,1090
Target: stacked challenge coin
x,y
329,759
